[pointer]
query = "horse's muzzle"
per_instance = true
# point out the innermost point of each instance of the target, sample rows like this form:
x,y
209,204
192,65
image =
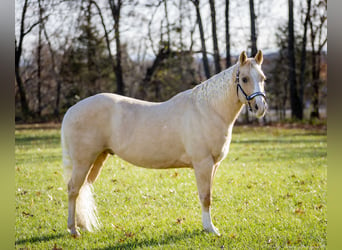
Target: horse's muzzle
x,y
259,106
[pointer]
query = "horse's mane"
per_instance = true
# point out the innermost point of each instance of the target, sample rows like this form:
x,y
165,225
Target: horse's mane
x,y
216,87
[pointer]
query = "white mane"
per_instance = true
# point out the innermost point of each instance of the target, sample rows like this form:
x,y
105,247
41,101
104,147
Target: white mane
x,y
216,88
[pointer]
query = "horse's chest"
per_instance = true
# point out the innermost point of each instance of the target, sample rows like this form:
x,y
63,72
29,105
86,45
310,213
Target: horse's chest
x,y
222,149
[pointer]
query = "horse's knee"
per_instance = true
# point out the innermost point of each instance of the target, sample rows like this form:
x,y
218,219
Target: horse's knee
x,y
206,201
72,191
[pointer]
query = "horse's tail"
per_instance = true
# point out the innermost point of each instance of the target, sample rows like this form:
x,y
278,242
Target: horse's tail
x,y
67,165
86,213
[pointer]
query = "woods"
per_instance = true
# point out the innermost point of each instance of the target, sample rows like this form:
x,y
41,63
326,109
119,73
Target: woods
x,y
152,50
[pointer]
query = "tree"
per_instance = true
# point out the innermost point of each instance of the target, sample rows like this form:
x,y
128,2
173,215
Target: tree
x,y
296,108
213,28
18,52
228,62
253,32
39,98
303,54
204,49
278,86
115,7
317,24
112,63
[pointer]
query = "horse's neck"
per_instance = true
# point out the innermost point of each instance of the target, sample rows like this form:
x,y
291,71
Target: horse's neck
x,y
220,93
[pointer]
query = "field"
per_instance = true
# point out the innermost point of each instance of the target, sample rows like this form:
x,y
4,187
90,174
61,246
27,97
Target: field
x,y
270,192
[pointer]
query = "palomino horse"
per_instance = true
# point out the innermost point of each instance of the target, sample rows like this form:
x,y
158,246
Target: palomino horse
x,y
192,129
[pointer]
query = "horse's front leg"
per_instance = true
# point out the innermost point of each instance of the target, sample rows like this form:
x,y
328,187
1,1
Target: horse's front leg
x,y
205,171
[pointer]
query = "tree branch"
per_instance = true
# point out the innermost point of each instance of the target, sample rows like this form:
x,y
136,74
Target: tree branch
x,y
34,25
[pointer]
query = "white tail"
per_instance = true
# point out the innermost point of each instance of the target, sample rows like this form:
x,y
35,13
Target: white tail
x,y
67,165
86,213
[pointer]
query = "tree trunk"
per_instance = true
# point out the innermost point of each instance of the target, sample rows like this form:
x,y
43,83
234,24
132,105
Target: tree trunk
x,y
167,24
228,62
296,109
315,84
18,50
303,55
23,102
116,9
204,49
316,53
253,32
110,57
55,73
213,27
39,50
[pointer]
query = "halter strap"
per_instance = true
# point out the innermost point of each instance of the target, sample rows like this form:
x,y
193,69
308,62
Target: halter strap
x,y
248,97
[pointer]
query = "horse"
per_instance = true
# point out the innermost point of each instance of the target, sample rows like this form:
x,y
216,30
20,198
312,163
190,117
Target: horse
x,y
193,129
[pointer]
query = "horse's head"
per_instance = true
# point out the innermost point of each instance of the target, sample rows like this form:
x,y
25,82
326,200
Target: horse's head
x,y
250,83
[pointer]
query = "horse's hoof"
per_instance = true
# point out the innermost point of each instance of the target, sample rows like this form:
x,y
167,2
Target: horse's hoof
x,y
212,230
75,234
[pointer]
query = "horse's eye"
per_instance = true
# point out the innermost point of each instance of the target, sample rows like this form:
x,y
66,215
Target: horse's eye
x,y
244,79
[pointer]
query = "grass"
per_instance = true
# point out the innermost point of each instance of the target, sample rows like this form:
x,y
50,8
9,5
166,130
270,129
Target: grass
x,y
270,192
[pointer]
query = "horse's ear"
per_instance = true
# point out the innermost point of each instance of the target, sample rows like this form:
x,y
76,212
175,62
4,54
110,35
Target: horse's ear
x,y
243,58
259,57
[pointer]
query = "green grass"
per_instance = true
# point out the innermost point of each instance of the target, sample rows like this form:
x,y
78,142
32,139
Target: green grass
x,y
270,192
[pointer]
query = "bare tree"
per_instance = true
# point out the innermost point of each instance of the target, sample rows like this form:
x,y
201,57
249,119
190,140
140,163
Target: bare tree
x,y
204,49
303,54
39,49
296,109
253,31
213,28
18,52
228,62
110,57
115,7
317,43
166,13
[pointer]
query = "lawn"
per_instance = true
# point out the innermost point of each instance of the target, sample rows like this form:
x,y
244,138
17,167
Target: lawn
x,y
270,192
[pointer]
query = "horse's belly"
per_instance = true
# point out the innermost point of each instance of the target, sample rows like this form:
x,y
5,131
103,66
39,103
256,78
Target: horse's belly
x,y
157,158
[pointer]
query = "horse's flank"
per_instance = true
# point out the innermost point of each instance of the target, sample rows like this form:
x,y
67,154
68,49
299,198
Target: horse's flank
x,y
175,133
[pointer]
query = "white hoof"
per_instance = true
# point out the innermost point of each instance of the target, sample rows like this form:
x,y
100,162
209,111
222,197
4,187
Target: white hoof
x,y
74,233
208,225
213,230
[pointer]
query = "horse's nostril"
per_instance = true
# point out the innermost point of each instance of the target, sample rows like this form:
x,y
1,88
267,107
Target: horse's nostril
x,y
256,107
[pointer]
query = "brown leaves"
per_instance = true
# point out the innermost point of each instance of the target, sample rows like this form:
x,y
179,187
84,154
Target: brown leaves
x,y
27,214
175,175
129,234
299,211
180,220
319,207
232,236
56,248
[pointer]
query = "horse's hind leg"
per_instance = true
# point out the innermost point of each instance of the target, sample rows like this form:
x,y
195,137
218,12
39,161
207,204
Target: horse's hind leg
x,y
97,166
79,174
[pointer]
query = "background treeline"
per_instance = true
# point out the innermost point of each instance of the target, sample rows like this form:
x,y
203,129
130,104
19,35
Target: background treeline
x,y
68,50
